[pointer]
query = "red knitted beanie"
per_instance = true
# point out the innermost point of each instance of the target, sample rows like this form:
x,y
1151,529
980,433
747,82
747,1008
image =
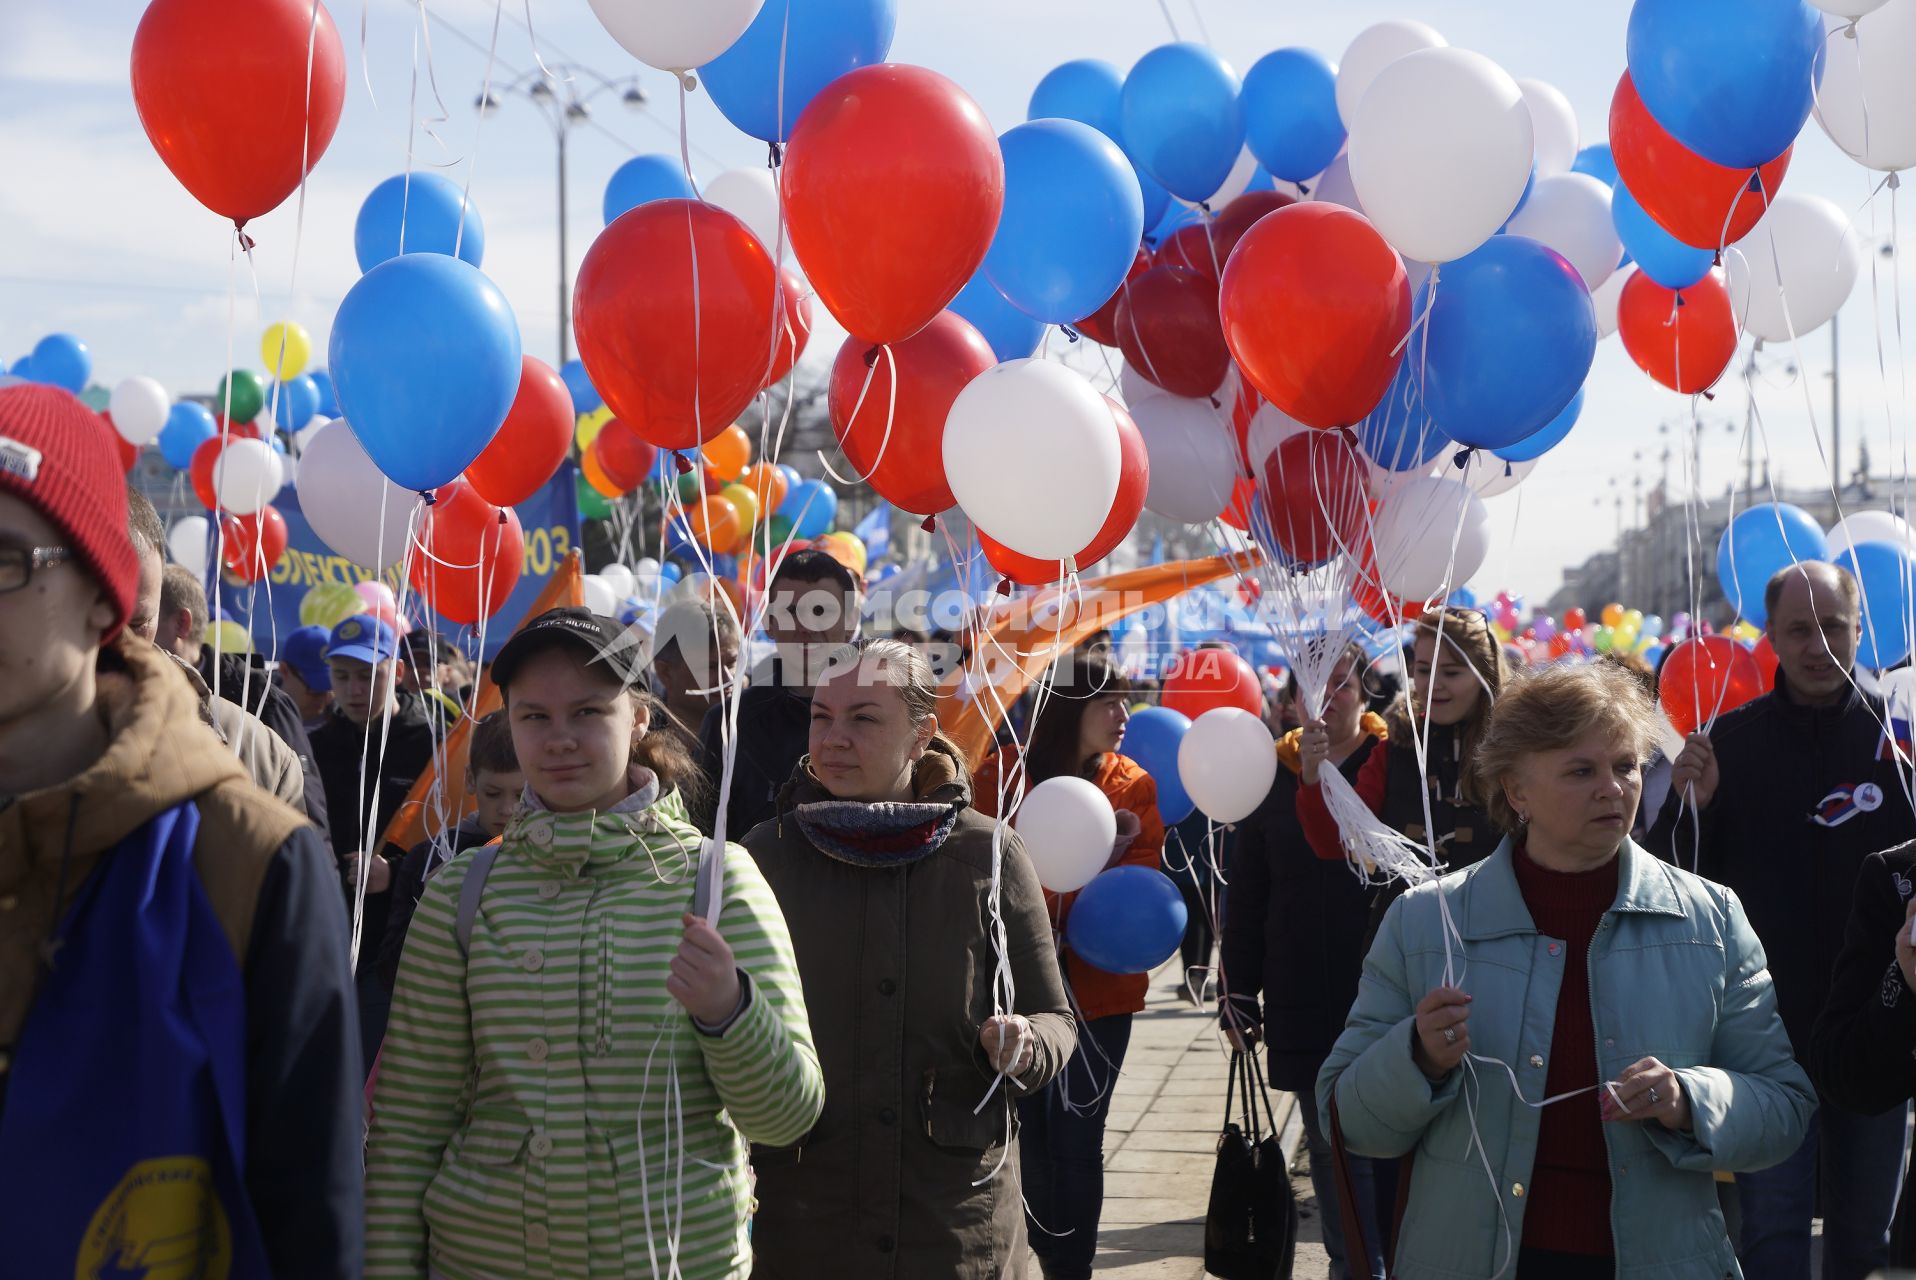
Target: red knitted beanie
x,y
56,457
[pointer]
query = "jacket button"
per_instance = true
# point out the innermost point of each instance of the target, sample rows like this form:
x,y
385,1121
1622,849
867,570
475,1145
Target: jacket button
x,y
534,961
536,1049
1516,1189
887,1116
541,1146
886,1244
540,833
1555,948
1609,1043
1536,1060
550,889
536,1235
887,987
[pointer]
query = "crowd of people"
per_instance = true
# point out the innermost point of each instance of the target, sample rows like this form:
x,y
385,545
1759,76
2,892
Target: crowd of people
x,y
735,973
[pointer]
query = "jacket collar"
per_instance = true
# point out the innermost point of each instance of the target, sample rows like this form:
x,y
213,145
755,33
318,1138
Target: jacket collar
x,y
1800,717
1494,907
940,778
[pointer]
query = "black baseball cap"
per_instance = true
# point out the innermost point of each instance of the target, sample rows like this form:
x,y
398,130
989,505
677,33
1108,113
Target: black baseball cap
x,y
600,638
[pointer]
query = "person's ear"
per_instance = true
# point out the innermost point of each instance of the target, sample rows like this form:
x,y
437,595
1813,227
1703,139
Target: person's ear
x,y
102,614
926,728
641,720
1514,797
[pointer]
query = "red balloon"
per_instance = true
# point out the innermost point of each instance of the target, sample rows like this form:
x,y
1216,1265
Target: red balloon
x,y
1241,215
676,366
1575,620
893,185
1701,203
1133,480
1315,307
1766,662
477,551
1101,325
1191,247
129,453
1168,330
231,108
911,384
795,328
1237,512
237,430
624,456
1683,338
253,543
530,443
1704,678
1315,494
1200,680
200,470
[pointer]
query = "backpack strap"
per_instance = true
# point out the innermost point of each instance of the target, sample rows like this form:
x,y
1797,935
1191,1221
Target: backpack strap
x,y
470,892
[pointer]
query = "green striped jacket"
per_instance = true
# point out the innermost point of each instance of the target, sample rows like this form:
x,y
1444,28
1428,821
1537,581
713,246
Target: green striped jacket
x,y
544,1108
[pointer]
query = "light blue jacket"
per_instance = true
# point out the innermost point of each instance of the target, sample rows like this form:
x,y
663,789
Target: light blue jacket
x,y
1675,973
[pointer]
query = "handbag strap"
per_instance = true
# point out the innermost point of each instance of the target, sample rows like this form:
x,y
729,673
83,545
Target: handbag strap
x,y
1356,1248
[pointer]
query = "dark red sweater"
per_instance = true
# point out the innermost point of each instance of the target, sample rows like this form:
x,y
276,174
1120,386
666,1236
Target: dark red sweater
x,y
1569,1194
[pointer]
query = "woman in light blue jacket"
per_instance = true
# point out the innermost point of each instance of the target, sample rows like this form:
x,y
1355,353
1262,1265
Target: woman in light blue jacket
x,y
1571,1035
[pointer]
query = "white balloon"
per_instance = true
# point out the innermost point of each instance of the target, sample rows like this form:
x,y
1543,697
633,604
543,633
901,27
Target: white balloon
x,y
1488,475
620,579
1898,690
1375,48
1570,212
1236,182
1848,8
1227,761
186,543
139,407
1193,458
1606,297
1810,239
1333,186
1032,455
1440,152
340,493
1870,526
303,438
1417,527
598,594
676,35
751,196
1067,827
1553,124
1866,102
246,475
1270,426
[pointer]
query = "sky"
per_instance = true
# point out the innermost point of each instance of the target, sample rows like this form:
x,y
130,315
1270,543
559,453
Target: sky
x,y
98,240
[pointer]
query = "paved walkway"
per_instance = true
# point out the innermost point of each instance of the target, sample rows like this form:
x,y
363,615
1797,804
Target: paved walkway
x,y
1161,1142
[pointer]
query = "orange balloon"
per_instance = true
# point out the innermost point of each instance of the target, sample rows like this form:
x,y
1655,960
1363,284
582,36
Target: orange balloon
x,y
1612,614
729,452
767,484
715,524
595,472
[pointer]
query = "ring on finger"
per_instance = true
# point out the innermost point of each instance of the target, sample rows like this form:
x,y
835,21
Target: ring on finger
x,y
1654,1099
1450,1035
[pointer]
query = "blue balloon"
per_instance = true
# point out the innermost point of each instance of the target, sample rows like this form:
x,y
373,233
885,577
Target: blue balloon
x,y
1510,339
643,179
724,566
811,506
1261,180
1463,598
1769,537
1127,920
189,424
1073,217
1176,217
803,44
62,360
1182,120
1655,653
1290,113
1399,434
1659,255
426,210
1535,446
1086,90
1886,573
669,572
328,398
22,368
1012,333
1151,738
297,402
1597,161
1732,80
585,397
425,354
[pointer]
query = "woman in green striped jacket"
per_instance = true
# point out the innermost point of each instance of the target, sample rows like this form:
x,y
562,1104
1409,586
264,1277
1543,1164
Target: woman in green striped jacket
x,y
576,1061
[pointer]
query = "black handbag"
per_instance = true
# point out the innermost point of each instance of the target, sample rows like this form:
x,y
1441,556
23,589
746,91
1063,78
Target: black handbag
x,y
1250,1229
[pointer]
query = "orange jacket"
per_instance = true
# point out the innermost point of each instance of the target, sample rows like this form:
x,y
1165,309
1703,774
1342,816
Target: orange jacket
x,y
1126,784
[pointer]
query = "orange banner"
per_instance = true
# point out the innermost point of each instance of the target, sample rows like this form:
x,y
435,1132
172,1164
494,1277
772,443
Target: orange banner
x,y
409,824
1017,639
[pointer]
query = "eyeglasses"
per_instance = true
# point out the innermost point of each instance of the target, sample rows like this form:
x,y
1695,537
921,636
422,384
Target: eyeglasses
x,y
18,564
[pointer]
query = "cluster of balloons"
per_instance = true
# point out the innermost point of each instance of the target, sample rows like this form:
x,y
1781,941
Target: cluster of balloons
x,y
1876,548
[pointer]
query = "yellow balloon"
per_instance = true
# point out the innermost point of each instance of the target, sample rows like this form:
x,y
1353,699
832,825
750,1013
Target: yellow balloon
x,y
329,604
590,425
745,500
230,637
290,361
1633,617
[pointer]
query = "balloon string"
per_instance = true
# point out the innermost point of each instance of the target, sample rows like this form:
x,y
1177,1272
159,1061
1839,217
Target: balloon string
x,y
685,160
479,123
891,418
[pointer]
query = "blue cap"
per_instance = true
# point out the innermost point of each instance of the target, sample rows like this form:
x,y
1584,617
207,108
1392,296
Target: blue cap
x,y
305,652
363,638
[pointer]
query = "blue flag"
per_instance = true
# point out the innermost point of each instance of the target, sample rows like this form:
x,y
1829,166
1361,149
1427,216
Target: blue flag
x,y
122,1144
875,532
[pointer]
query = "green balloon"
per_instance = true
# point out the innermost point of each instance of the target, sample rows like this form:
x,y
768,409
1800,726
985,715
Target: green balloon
x,y
780,529
249,395
689,487
593,505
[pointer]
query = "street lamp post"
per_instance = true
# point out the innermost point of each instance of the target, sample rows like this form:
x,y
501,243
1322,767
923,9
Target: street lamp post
x,y
555,93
